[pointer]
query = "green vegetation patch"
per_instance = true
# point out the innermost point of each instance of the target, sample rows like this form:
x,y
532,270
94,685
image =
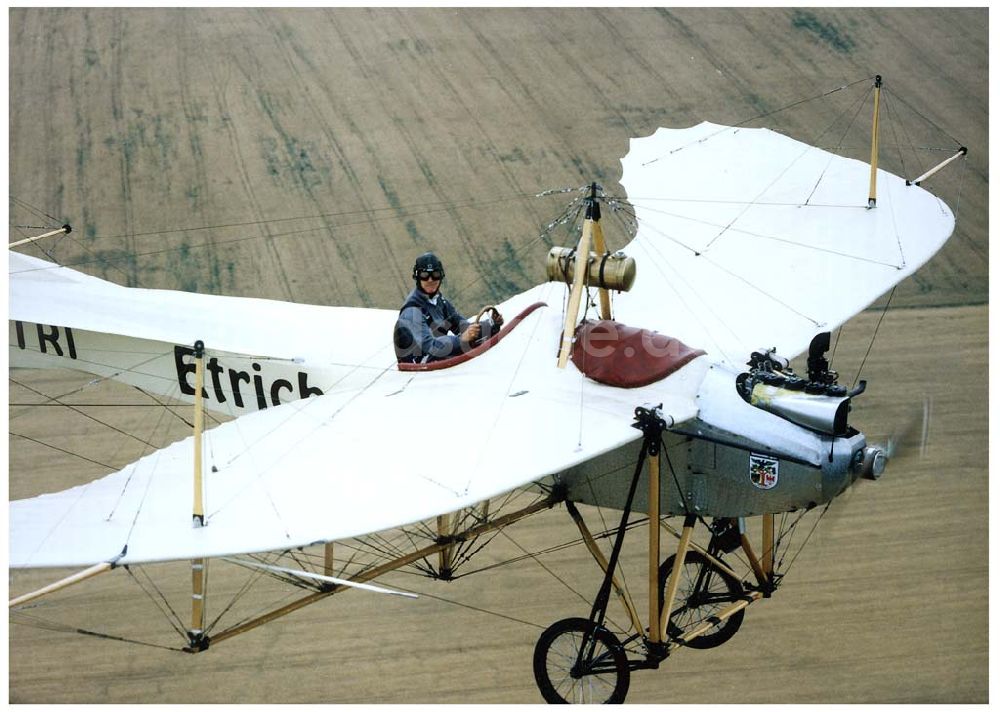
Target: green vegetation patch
x,y
824,31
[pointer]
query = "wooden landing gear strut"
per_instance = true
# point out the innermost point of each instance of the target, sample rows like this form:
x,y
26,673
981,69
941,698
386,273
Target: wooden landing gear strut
x,y
696,600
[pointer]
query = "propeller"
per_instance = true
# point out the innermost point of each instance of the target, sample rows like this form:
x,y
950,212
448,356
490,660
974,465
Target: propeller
x,y
905,440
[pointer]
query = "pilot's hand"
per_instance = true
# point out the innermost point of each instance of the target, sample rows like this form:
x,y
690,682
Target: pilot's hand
x,y
470,334
497,319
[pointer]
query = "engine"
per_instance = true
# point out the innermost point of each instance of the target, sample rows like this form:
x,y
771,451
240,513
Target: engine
x,y
817,402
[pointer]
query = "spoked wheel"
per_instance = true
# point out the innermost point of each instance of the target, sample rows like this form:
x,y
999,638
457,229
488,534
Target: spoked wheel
x,y
601,676
703,592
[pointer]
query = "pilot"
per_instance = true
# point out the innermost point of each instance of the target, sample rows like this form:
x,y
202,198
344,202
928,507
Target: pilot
x,y
429,328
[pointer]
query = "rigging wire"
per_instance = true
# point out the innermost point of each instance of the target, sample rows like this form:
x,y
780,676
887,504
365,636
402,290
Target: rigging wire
x,y
892,123
160,600
840,143
808,536
806,101
908,105
67,452
478,609
76,409
885,309
397,214
38,212
64,628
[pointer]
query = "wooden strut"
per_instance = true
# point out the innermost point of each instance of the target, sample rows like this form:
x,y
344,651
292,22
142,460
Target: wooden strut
x,y
600,248
62,583
917,181
874,156
722,615
758,570
378,571
592,233
718,563
576,292
445,555
198,579
654,548
328,559
767,545
602,561
198,515
675,574
199,567
64,229
735,607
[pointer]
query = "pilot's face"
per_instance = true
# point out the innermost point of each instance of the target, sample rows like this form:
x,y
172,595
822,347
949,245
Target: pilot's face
x,y
430,285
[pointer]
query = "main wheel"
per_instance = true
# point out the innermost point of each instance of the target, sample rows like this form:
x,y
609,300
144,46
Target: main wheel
x,y
601,677
703,592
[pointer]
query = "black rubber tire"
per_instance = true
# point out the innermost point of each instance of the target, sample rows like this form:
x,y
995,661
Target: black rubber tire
x,y
555,657
716,592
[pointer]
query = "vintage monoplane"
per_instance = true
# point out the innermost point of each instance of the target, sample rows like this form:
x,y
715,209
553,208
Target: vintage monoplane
x,y
671,397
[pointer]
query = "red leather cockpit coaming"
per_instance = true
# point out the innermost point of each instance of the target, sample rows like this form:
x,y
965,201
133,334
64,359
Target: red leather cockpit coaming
x,y
627,357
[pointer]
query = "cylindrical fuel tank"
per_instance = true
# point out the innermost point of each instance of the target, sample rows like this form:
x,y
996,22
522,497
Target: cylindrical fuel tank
x,y
610,271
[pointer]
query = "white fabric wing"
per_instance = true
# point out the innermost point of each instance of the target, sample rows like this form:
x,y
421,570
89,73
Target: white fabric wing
x,y
44,293
747,238
380,451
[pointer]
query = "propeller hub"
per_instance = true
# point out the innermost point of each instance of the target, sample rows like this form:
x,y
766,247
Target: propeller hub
x,y
872,463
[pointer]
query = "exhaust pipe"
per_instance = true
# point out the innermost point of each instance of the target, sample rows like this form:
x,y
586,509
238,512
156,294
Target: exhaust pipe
x,y
825,414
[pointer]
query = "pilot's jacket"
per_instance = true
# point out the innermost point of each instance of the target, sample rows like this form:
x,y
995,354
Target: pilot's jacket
x,y
428,329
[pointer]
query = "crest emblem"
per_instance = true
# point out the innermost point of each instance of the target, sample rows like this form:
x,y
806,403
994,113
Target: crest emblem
x,y
763,471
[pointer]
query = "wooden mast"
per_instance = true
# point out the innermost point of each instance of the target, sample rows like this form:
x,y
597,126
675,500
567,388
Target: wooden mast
x,y
591,234
576,292
601,249
198,516
199,567
874,156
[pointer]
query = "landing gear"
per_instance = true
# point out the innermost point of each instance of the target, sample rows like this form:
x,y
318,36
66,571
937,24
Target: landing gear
x,y
702,593
696,599
578,662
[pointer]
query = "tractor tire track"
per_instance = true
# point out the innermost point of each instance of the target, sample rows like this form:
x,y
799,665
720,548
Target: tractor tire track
x,y
187,48
469,247
492,149
557,135
671,96
290,50
78,89
289,143
716,60
219,92
48,129
124,142
582,72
